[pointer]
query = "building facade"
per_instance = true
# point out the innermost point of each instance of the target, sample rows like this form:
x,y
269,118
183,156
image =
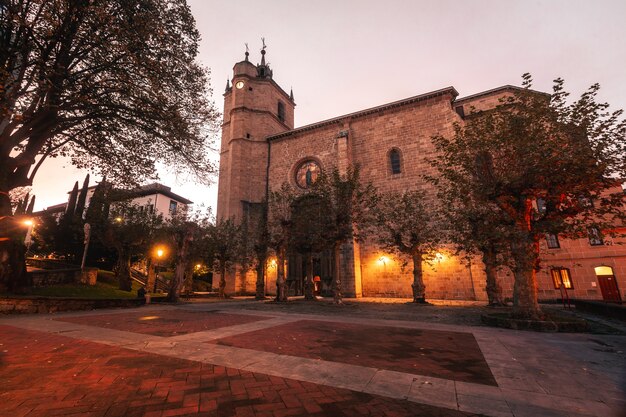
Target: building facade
x,y
154,198
261,150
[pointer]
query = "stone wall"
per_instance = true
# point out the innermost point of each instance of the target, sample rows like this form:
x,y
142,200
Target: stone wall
x,y
44,263
366,138
26,305
44,278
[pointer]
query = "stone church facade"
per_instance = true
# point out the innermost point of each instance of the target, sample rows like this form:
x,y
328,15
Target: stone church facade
x,y
261,149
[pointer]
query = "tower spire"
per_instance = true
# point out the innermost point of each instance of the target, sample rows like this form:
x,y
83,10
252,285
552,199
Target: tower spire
x,y
263,52
227,85
263,69
247,52
291,94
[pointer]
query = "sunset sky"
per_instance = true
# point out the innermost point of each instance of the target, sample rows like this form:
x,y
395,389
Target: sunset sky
x,y
341,56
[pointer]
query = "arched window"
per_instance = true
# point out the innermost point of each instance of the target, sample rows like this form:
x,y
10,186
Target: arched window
x,y
395,161
281,111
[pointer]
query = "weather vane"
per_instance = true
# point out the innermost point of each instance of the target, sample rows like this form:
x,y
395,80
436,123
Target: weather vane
x,y
246,47
264,46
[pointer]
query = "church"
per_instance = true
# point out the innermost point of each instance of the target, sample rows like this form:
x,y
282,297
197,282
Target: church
x,y
261,149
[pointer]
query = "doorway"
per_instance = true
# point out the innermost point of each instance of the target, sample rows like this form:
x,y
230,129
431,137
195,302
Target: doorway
x,y
608,284
322,268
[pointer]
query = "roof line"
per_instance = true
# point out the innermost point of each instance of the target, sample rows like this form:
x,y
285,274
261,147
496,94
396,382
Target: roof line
x,y
368,111
494,90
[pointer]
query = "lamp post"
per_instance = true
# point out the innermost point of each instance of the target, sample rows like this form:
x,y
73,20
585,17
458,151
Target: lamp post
x,y
159,253
28,240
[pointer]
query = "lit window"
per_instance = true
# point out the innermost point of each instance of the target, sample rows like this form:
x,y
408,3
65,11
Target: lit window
x,y
595,237
561,276
173,206
553,241
394,160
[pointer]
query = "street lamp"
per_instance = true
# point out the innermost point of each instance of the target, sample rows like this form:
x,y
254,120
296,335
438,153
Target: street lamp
x,y
28,239
160,252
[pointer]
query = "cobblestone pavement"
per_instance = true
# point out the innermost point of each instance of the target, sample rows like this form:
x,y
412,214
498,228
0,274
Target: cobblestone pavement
x,y
222,359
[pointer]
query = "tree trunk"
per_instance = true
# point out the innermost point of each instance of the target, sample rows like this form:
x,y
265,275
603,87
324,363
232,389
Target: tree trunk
x,y
419,289
260,277
188,282
493,288
182,263
123,271
13,274
525,304
308,282
12,250
525,254
151,276
222,284
173,292
281,293
337,294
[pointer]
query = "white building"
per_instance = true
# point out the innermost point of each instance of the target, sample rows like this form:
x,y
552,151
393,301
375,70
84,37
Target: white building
x,y
154,197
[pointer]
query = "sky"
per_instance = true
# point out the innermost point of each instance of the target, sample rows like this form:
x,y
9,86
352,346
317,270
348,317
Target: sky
x,y
341,56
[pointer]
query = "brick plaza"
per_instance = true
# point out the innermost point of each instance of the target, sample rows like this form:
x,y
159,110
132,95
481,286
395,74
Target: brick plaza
x,y
220,359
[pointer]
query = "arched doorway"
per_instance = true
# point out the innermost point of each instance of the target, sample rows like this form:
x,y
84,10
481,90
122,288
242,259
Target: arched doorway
x,y
608,283
309,249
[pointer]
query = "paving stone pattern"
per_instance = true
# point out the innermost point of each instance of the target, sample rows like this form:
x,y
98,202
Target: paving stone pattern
x,y
47,375
164,323
450,355
72,364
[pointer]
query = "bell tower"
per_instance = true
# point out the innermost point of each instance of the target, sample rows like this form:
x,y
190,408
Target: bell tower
x,y
255,107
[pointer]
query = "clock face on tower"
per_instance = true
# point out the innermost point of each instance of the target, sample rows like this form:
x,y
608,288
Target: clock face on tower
x,y
307,174
239,85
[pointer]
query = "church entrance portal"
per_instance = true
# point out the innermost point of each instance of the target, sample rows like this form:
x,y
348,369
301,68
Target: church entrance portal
x,y
322,270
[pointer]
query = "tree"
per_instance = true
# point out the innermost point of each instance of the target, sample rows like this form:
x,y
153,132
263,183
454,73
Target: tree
x,y
69,238
182,234
279,222
571,158
350,209
255,250
188,235
130,231
13,275
113,85
474,227
97,215
82,199
406,227
21,203
224,243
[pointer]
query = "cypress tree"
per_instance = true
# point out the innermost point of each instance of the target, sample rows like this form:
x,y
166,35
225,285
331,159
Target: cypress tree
x,y
82,198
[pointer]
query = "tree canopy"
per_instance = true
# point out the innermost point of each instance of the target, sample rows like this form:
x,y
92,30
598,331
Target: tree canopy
x,y
543,165
407,227
111,84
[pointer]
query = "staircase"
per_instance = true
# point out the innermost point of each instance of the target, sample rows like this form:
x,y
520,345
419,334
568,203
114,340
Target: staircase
x,y
141,278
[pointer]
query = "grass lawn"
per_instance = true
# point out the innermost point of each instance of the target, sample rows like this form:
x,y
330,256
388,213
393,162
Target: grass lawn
x,y
101,290
106,287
